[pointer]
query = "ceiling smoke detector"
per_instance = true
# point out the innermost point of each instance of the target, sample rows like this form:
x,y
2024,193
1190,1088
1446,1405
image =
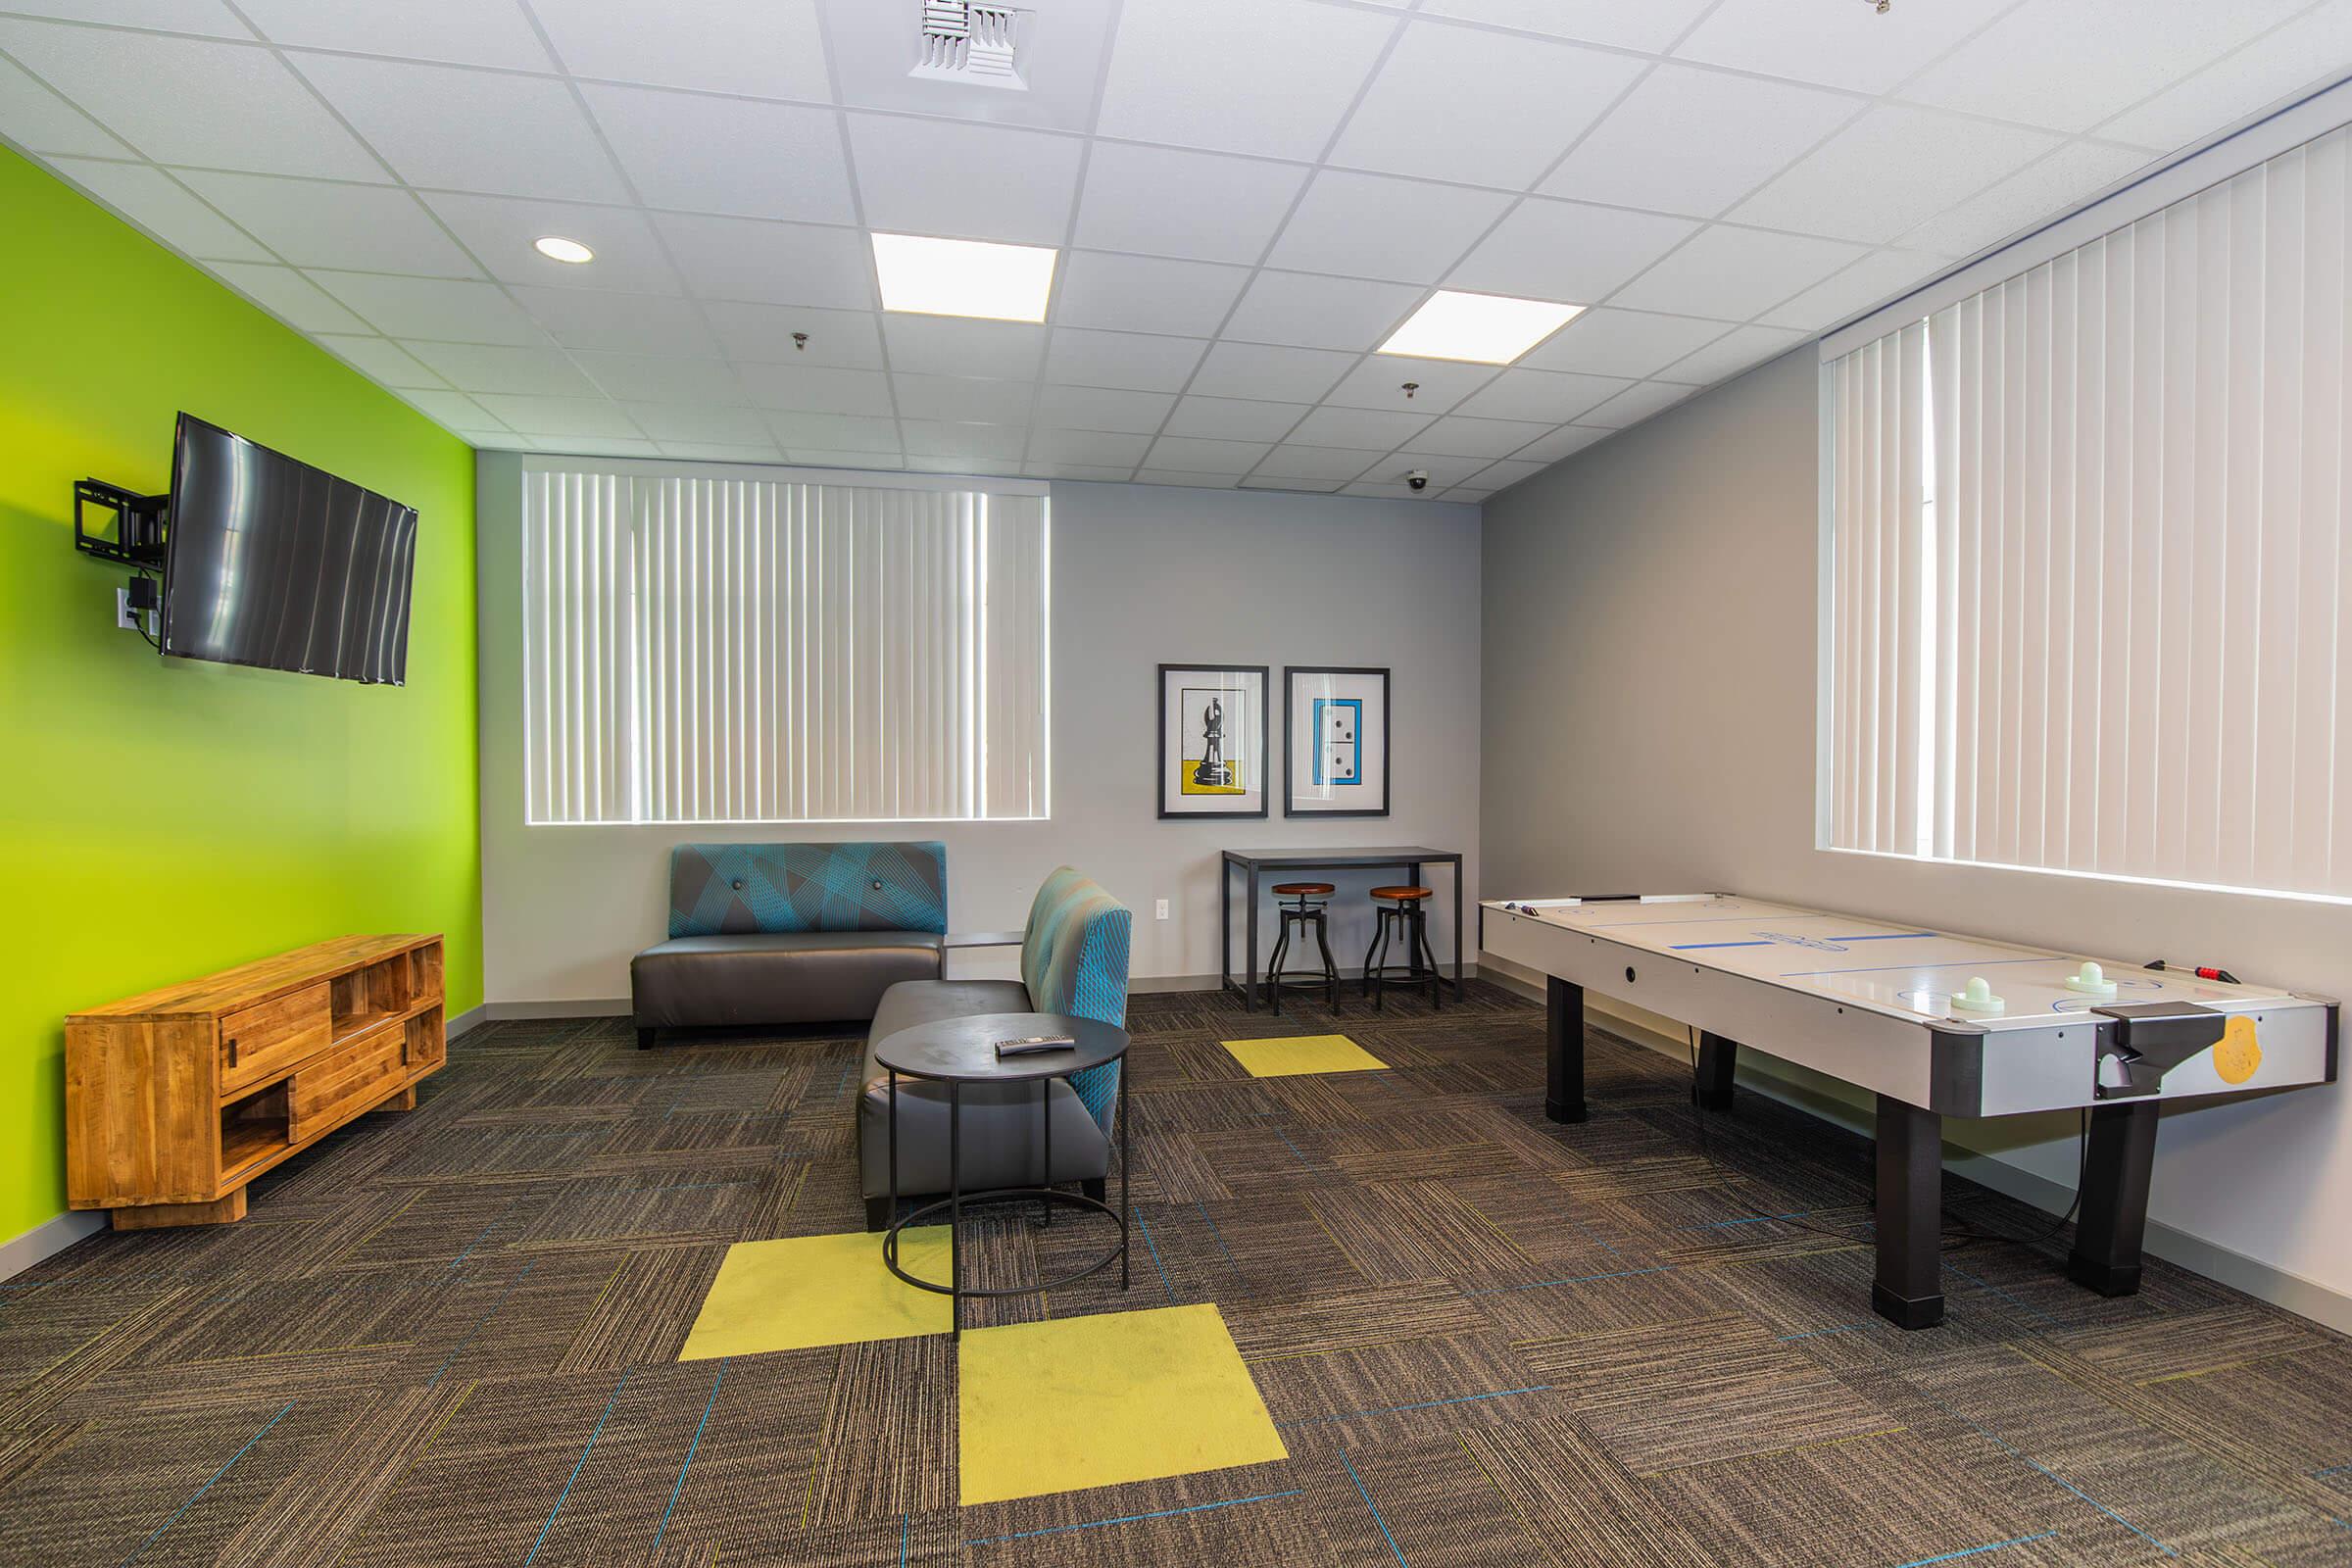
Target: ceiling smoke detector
x,y
973,45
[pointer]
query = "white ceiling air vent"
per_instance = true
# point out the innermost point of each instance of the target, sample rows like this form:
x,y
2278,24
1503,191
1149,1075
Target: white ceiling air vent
x,y
973,44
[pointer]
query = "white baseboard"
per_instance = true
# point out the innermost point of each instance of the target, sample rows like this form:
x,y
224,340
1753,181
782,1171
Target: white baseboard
x,y
47,1239
2264,1281
618,1007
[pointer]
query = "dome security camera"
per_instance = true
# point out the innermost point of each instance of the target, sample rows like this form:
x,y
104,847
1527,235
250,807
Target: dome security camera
x,y
1418,478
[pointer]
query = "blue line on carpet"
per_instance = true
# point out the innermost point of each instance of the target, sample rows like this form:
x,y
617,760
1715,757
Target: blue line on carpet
x,y
2334,1469
1218,1234
2061,1480
1986,1285
1293,1149
484,1231
1156,1262
1971,1551
208,1485
1135,1518
477,1327
1424,1405
844,1075
680,1483
906,1522
1365,1494
577,1467
1574,1279
1757,1219
1814,1334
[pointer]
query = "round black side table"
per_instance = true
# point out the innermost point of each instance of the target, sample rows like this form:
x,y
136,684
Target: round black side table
x,y
956,1051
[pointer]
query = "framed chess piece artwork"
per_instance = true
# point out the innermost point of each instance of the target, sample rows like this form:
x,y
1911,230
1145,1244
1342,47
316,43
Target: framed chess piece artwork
x,y
1212,740
1335,724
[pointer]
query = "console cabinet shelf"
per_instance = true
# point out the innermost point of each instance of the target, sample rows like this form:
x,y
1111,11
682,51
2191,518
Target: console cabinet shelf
x,y
176,1098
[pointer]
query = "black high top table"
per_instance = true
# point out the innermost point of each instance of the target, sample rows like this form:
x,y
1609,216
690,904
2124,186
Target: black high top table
x,y
1408,858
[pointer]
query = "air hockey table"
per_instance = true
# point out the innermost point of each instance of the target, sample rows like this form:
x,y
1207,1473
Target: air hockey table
x,y
1935,1025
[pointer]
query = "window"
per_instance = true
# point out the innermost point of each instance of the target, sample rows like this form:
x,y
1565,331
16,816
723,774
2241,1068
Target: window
x,y
781,650
2089,555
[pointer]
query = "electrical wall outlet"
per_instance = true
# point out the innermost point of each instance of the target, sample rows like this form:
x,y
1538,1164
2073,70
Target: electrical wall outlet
x,y
1159,909
125,617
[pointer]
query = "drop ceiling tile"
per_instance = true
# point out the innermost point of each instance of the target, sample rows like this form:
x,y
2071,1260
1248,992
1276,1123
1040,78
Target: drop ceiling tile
x,y
465,32
847,339
837,433
1837,45
1186,481
704,423
1636,404
476,131
578,418
623,324
483,368
1266,76
2069,66
1235,418
989,182
2276,65
1302,310
1161,201
1093,407
1083,473
857,461
1323,487
771,264
1129,359
661,378
501,231
159,204
455,411
1371,429
1694,141
1605,341
1100,447
962,398
1277,375
1325,465
289,296
1888,170
1146,293
732,156
1377,226
1508,473
1549,397
1379,383
1733,273
1510,105
2058,183
1566,441
1184,453
1062,49
722,450
774,49
208,16
1567,250
1734,352
41,121
1648,27
1847,292
1445,470
310,223
1462,437
972,443
382,360
257,113
941,345
432,309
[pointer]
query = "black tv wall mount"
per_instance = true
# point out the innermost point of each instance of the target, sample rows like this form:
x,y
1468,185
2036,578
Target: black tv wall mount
x,y
133,530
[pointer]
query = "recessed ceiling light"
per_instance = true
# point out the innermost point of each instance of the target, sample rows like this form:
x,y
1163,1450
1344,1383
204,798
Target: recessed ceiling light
x,y
556,248
1482,329
964,278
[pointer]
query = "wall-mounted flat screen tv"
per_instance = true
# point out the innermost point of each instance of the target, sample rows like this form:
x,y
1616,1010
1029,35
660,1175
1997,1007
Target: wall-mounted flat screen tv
x,y
272,563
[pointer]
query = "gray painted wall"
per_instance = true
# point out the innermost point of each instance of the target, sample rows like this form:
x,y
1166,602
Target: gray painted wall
x,y
1650,621
1142,575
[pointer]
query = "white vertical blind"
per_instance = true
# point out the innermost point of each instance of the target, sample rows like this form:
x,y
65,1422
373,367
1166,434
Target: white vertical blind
x,y
722,650
2132,548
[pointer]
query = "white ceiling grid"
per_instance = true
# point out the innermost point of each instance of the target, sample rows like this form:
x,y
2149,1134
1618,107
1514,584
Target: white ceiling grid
x,y
1249,195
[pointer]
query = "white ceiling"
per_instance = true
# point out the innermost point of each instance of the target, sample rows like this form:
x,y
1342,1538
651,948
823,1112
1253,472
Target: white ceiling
x,y
1249,195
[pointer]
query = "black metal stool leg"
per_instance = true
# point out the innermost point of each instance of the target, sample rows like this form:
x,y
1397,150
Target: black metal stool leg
x,y
1282,946
1331,970
1379,963
1428,960
1364,980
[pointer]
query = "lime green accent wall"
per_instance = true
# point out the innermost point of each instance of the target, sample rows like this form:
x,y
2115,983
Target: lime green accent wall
x,y
163,819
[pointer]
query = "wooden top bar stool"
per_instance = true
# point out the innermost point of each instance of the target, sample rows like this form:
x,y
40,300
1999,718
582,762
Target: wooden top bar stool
x,y
1400,910
1309,904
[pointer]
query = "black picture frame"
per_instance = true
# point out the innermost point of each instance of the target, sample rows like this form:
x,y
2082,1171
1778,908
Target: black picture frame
x,y
1160,775
1289,730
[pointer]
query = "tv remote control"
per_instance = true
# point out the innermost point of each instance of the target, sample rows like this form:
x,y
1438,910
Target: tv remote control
x,y
1034,1044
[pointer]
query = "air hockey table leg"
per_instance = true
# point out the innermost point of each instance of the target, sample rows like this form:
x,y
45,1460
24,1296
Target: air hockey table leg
x,y
1717,1058
2117,1167
1564,1053
1909,1289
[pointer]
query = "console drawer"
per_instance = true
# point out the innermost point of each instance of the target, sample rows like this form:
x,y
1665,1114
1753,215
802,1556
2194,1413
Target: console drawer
x,y
273,1036
339,1085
